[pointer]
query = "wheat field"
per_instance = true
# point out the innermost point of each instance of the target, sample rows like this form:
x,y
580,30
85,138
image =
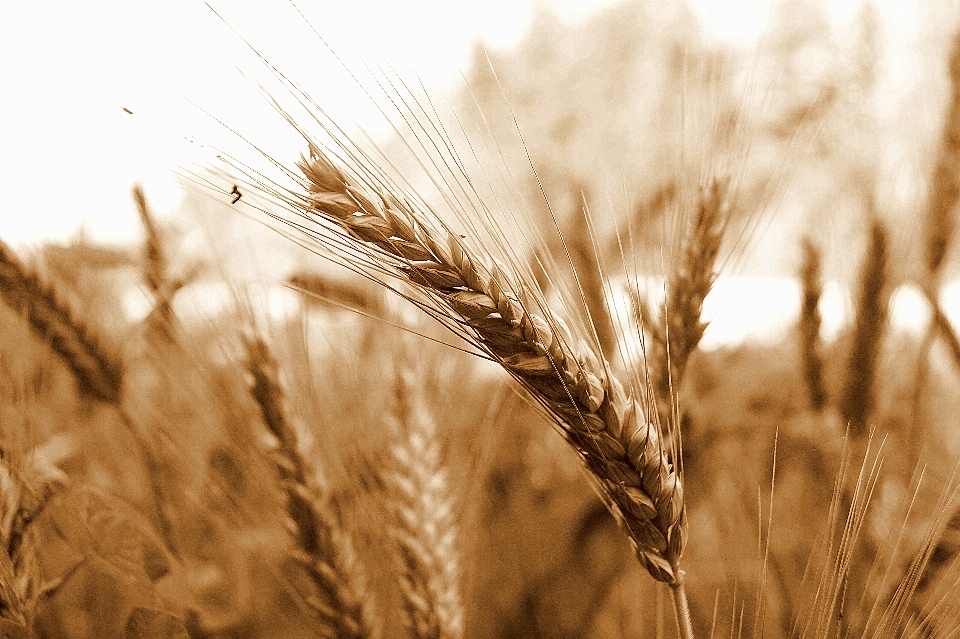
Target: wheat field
x,y
471,389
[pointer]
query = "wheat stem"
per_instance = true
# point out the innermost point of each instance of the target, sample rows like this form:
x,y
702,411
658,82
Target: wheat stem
x,y
682,608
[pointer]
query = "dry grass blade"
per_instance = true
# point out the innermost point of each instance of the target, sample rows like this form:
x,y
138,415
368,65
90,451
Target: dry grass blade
x,y
606,427
98,374
810,345
425,528
857,401
323,553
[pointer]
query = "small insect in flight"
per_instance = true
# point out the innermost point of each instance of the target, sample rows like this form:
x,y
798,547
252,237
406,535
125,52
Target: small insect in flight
x,y
236,194
126,110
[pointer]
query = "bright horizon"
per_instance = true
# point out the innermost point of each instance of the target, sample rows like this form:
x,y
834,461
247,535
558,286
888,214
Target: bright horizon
x,y
70,70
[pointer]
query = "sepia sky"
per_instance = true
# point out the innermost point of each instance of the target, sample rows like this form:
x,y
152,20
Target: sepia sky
x,y
99,95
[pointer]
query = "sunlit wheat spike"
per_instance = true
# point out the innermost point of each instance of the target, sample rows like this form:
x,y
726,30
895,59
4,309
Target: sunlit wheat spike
x,y
945,187
494,312
680,328
695,275
98,374
810,322
425,528
857,401
323,552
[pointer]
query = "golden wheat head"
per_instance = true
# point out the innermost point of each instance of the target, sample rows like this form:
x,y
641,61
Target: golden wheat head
x,y
606,427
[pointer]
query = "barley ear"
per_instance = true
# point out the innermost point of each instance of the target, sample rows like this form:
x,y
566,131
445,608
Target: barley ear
x,y
98,374
424,529
322,551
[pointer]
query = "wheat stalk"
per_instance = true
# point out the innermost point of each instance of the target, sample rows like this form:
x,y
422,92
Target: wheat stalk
x,y
857,401
425,528
98,374
945,184
810,320
681,328
323,552
606,427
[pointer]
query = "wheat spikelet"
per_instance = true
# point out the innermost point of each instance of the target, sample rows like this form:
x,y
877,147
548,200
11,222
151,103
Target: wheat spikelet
x,y
98,374
425,528
606,427
323,552
812,362
857,401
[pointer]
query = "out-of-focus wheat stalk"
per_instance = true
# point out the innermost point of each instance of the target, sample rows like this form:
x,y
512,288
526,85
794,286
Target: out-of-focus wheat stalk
x,y
810,344
487,306
945,183
680,328
857,399
425,529
98,373
323,552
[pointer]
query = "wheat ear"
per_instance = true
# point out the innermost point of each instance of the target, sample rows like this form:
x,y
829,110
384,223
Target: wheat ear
x,y
810,320
606,427
323,552
857,401
680,328
97,373
425,528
